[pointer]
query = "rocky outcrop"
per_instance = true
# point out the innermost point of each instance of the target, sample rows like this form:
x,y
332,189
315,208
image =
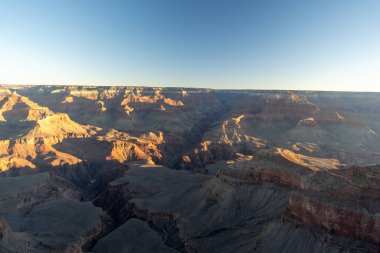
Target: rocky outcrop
x,y
40,206
58,126
138,100
37,142
17,192
9,162
278,166
126,147
89,94
138,234
222,143
270,175
353,221
13,241
47,224
17,107
344,203
21,191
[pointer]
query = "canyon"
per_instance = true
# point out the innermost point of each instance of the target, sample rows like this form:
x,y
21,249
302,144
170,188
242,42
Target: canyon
x,y
144,169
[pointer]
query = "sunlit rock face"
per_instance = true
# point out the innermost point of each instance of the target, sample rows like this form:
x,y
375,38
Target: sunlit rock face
x,y
141,169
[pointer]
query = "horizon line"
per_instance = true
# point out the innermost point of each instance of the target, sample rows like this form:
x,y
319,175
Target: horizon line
x,y
190,87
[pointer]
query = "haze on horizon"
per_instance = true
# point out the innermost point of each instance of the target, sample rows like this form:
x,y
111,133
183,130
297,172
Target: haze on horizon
x,y
308,45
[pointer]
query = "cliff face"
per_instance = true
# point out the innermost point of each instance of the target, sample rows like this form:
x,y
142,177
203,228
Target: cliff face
x,y
351,221
347,206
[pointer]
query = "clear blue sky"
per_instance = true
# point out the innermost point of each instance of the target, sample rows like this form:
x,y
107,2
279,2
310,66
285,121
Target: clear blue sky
x,y
266,44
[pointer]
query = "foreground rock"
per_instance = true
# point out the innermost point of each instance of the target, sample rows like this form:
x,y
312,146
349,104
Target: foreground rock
x,y
134,236
41,213
201,213
58,225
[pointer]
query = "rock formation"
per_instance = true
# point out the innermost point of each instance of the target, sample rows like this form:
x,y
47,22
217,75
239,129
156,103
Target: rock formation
x,y
140,169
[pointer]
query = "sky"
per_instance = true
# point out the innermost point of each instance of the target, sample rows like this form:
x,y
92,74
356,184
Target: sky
x,y
236,44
